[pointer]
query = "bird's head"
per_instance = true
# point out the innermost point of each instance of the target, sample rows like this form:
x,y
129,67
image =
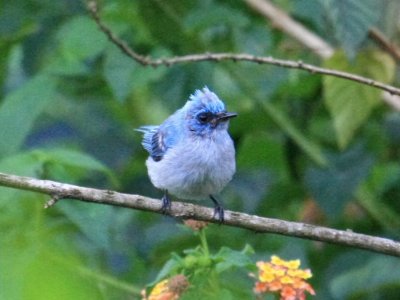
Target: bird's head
x,y
206,113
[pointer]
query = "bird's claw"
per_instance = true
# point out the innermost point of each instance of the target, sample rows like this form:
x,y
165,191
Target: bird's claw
x,y
166,203
218,210
219,213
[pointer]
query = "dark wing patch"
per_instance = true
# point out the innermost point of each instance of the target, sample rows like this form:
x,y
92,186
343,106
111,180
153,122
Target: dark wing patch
x,y
157,146
153,141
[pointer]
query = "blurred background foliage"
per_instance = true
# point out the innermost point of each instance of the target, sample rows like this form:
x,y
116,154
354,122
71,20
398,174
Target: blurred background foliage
x,y
309,148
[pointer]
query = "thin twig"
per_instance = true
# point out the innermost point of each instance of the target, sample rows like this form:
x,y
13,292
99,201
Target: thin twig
x,y
53,200
282,21
187,210
384,42
148,61
316,44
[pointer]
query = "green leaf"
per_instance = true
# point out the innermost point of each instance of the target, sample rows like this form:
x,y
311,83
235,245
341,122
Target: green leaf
x,y
75,159
229,258
79,40
210,293
118,69
94,221
384,176
166,18
31,163
46,278
378,273
38,259
123,74
349,103
169,268
383,180
283,121
249,40
332,187
20,109
259,149
23,164
392,127
16,74
28,271
310,10
207,15
351,20
378,210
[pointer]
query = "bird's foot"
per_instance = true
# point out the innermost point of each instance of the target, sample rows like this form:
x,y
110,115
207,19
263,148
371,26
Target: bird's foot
x,y
166,203
219,213
218,210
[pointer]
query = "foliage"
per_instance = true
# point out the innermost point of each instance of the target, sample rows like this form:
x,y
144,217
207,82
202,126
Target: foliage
x,y
208,273
70,101
350,104
207,276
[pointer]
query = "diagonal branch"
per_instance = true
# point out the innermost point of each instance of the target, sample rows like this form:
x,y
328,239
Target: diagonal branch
x,y
258,224
168,61
385,43
281,20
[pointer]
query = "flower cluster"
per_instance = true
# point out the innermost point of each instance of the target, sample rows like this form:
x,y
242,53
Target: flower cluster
x,y
285,277
168,289
195,225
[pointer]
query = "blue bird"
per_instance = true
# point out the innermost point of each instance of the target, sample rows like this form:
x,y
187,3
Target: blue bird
x,y
191,153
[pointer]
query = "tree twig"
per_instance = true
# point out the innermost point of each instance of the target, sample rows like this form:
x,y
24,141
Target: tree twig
x,y
148,61
281,20
187,210
53,200
385,43
309,39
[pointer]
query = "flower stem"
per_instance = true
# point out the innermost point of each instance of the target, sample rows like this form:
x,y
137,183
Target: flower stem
x,y
204,244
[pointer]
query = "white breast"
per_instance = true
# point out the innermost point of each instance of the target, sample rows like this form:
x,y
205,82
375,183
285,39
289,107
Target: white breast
x,y
196,169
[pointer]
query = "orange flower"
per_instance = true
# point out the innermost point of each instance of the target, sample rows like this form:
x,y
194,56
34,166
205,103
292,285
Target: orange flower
x,y
288,293
195,225
284,277
167,289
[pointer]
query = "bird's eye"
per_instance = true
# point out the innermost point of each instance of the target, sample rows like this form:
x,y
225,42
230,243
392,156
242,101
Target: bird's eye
x,y
203,117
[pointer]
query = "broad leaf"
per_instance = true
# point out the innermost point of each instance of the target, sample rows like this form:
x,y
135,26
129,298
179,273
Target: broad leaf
x,y
73,158
285,123
351,20
332,187
207,15
36,264
168,269
260,149
118,69
123,74
349,103
20,109
94,221
229,258
80,40
380,272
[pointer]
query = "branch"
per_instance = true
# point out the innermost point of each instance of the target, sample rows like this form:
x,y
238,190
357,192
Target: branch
x,y
309,39
169,61
281,20
385,43
182,210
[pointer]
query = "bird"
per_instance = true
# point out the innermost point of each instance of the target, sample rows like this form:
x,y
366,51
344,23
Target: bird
x,y
191,154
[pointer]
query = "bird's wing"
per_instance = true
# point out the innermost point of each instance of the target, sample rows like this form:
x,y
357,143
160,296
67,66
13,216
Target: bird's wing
x,y
157,139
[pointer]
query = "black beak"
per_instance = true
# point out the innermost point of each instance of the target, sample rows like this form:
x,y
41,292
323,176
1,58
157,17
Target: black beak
x,y
225,116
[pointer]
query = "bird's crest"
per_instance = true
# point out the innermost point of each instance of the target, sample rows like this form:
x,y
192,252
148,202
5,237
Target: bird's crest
x,y
206,98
